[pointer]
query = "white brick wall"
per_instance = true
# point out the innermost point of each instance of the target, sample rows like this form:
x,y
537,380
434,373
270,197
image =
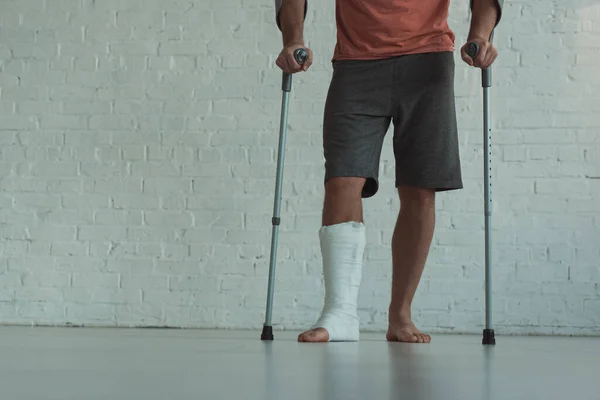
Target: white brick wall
x,y
137,150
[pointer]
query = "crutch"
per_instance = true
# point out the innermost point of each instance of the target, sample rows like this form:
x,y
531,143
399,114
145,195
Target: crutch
x,y
486,82
286,86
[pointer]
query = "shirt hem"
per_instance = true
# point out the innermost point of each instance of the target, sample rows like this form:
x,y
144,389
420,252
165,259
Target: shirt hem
x,y
379,56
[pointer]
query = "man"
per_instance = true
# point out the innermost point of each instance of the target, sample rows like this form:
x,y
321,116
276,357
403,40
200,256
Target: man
x,y
393,63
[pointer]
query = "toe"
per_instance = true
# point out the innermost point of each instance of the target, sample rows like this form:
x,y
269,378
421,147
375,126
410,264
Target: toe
x,y
314,335
409,338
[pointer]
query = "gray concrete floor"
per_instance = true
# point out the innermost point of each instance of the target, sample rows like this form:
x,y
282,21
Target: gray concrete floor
x,y
114,364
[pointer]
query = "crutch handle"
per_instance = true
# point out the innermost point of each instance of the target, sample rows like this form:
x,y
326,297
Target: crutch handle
x,y
300,55
472,50
486,74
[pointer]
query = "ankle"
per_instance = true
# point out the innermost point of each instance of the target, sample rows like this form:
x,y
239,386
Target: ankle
x,y
400,312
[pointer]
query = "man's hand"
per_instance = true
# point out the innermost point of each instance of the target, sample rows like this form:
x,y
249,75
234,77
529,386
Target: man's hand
x,y
483,21
487,53
287,62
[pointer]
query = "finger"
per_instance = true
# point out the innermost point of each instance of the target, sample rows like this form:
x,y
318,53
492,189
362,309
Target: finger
x,y
492,57
483,53
308,62
488,60
288,68
294,66
282,63
465,57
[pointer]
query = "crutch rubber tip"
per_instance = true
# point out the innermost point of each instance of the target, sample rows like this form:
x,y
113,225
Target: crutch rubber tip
x,y
489,337
267,333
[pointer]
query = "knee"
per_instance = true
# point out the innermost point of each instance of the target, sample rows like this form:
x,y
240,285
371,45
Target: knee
x,y
348,187
417,198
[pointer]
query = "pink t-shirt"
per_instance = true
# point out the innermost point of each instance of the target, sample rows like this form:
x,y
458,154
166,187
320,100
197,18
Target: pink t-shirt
x,y
372,29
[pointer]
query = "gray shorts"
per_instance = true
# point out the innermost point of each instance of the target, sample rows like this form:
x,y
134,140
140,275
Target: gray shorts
x,y
416,93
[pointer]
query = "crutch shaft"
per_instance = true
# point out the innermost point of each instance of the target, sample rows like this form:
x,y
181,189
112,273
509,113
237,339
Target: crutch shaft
x,y
277,204
300,55
488,206
486,83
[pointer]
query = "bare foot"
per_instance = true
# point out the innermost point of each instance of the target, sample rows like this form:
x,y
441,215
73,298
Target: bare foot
x,y
317,335
406,331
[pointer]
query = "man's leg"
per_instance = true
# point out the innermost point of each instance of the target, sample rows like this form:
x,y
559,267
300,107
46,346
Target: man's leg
x,y
357,116
410,245
342,205
427,161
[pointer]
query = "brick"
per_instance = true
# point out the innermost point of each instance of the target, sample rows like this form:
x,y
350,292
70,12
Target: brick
x,y
90,312
63,249
49,279
17,122
155,168
9,313
41,312
116,296
112,122
182,48
131,265
557,186
86,107
97,233
205,235
85,201
13,248
568,288
108,154
583,274
38,51
68,217
134,48
544,273
63,122
200,251
123,91
150,234
170,185
133,153
206,170
543,152
145,282
167,218
587,256
102,170
37,294
54,169
117,217
37,107
175,252
155,153
135,202
185,155
10,280
172,203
